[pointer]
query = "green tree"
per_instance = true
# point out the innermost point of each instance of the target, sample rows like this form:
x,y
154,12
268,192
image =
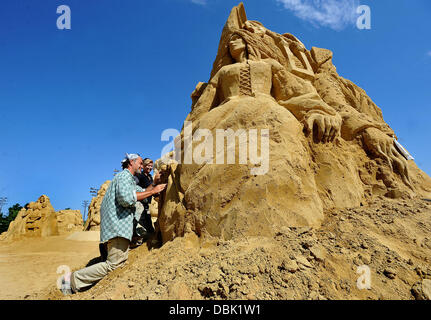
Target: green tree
x,y
13,211
3,224
6,220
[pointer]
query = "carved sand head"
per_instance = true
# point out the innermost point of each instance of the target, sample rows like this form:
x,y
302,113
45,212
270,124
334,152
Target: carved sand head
x,y
243,42
255,27
237,47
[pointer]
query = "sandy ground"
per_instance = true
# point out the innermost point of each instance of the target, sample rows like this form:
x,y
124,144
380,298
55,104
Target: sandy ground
x,y
30,265
389,237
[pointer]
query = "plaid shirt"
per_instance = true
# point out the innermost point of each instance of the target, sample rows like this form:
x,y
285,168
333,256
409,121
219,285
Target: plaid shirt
x,y
118,207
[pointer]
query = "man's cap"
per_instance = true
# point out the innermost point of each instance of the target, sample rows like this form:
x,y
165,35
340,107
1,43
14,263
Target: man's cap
x,y
131,156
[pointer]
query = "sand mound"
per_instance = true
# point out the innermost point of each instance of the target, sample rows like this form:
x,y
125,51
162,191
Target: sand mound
x,y
38,219
391,237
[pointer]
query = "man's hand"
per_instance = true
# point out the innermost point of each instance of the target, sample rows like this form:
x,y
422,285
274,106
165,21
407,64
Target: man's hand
x,y
151,190
159,188
381,145
327,126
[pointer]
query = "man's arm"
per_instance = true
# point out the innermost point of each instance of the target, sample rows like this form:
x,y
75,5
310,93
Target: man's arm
x,y
151,190
124,192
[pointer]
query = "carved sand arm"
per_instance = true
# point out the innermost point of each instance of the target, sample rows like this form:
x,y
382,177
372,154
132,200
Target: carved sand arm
x,y
297,95
354,123
206,101
301,98
306,104
377,139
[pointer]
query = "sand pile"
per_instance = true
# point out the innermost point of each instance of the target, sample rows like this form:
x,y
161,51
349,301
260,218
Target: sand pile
x,y
391,237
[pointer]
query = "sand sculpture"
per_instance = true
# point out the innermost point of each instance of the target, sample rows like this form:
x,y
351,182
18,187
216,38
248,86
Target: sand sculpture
x,y
329,146
69,221
39,219
93,220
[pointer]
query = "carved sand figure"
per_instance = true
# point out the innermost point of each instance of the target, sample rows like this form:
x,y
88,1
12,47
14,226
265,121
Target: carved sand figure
x,y
361,117
39,219
329,146
93,220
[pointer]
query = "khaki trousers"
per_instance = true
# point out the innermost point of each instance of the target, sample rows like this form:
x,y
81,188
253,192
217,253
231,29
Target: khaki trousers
x,y
118,252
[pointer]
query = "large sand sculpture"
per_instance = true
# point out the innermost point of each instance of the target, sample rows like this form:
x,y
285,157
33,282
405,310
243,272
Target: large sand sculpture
x,y
338,198
93,221
39,219
329,146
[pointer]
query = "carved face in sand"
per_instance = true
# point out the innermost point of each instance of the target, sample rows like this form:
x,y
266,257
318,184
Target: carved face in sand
x,y
254,27
237,47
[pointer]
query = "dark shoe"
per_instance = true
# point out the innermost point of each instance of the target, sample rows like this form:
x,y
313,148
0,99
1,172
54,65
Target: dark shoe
x,y
136,242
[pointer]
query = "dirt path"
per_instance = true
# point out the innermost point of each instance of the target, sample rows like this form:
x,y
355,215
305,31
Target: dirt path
x,y
30,265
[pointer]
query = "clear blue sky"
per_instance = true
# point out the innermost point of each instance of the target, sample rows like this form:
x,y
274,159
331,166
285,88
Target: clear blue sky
x,y
72,102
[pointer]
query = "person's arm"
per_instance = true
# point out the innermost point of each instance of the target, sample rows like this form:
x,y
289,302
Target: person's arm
x,y
125,193
151,190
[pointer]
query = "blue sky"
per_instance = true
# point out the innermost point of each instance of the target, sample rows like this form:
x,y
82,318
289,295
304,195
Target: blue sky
x,y
72,102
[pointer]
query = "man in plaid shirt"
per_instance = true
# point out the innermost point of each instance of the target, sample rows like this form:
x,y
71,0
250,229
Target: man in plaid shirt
x,y
116,227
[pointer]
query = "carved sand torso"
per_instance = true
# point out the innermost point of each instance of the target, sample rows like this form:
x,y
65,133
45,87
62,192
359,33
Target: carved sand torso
x,y
244,79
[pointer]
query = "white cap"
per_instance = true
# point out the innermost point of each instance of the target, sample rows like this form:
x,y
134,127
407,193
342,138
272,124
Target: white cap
x,y
131,156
